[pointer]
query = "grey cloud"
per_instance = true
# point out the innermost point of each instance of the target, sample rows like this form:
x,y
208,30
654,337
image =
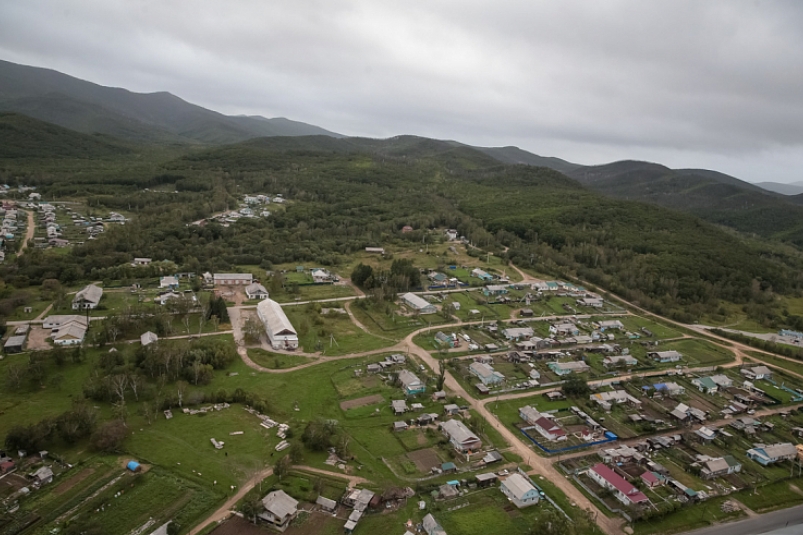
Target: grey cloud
x,y
690,82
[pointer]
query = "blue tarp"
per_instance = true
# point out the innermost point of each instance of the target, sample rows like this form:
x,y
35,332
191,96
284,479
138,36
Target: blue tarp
x,y
133,466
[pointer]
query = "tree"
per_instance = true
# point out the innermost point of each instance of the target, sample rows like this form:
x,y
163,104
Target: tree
x,y
109,436
575,386
252,329
15,375
361,275
296,453
181,389
441,374
281,467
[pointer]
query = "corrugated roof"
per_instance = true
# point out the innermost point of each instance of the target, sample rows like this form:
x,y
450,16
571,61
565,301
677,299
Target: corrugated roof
x,y
280,504
90,293
518,486
619,483
274,318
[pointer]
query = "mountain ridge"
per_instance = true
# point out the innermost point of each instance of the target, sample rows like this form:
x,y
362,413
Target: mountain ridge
x,y
88,107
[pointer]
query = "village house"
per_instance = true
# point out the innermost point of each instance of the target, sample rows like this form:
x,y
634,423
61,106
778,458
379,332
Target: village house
x,y
722,381
705,385
410,383
88,298
460,436
606,325
652,479
549,429
399,406
607,399
148,338
665,356
621,488
141,261
719,467
773,453
69,335
418,304
482,275
517,333
486,374
280,331
669,388
232,279
42,476
256,291
431,526
564,329
593,302
494,289
169,282
622,360
445,339
519,491
566,368
756,373
279,509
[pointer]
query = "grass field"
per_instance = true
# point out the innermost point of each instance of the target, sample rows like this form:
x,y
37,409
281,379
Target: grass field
x,y
331,334
688,518
774,496
277,361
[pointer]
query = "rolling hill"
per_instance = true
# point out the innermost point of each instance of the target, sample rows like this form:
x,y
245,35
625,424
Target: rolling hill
x,y
160,117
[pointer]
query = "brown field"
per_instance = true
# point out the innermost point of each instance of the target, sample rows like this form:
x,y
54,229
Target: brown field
x,y
73,481
361,402
424,459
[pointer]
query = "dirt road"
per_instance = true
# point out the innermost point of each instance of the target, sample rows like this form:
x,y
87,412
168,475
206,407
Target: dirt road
x,y
224,510
29,231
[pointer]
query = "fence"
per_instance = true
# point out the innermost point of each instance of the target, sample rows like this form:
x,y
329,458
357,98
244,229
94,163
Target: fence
x,y
567,448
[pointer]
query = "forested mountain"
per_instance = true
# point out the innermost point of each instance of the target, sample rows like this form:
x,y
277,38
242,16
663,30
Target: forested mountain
x,y
714,196
149,118
349,193
24,137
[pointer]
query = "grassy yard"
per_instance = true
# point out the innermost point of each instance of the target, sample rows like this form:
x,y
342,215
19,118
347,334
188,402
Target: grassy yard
x,y
688,518
331,334
277,361
779,495
311,293
786,364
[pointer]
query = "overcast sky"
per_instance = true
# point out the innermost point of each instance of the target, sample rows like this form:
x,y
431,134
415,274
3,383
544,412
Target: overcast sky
x,y
686,83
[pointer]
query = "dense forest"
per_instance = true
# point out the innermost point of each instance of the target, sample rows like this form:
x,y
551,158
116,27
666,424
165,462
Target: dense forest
x,y
345,195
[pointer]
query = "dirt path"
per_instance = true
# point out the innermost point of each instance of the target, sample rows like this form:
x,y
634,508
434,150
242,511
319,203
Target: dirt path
x,y
41,316
353,480
225,510
29,231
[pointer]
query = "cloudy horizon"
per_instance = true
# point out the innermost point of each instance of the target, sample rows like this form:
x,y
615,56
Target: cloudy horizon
x,y
686,84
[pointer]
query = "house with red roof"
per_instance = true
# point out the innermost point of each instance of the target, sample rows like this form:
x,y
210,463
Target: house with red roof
x,y
549,429
621,488
651,479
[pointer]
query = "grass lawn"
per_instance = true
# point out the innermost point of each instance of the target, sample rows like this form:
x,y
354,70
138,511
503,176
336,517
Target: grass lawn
x,y
774,496
315,332
277,361
635,324
698,352
311,293
183,444
385,320
788,365
688,518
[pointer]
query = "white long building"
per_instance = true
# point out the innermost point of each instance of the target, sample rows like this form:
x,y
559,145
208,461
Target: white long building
x,y
280,331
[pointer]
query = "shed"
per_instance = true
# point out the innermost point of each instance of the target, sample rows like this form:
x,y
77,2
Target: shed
x,y
326,504
133,466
